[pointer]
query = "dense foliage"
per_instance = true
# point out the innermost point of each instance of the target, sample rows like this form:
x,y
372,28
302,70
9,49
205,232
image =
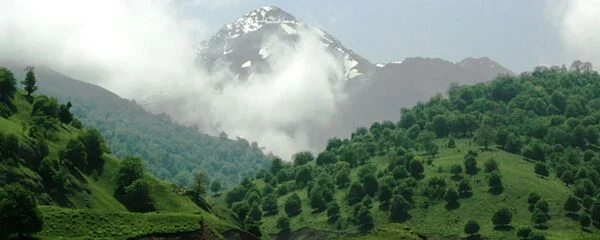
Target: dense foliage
x,y
551,117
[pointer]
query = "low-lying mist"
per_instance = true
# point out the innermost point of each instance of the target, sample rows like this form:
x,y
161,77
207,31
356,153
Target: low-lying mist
x,y
143,50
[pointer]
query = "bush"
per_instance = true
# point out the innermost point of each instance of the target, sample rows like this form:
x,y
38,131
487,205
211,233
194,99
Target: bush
x,y
541,169
502,217
283,224
293,205
490,165
472,227
19,214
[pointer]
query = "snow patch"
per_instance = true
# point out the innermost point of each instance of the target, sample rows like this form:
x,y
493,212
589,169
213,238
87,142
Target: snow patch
x,y
227,51
397,62
379,65
264,52
288,29
354,73
247,64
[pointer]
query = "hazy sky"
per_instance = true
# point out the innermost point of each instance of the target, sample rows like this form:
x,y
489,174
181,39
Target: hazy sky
x,y
518,34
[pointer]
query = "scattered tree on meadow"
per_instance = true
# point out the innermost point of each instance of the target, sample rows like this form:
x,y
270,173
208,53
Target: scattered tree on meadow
x,y
137,196
269,205
456,169
490,165
75,154
484,136
495,182
470,164
541,169
585,221
464,188
502,217
370,184
539,217
30,81
399,209
472,227
200,183
293,205
572,204
8,85
355,193
333,212
364,219
524,233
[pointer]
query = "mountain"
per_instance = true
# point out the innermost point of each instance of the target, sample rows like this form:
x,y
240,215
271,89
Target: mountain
x,y
246,45
170,151
375,92
484,66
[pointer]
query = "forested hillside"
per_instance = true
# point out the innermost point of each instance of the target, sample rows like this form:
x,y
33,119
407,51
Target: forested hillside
x,y
516,158
48,158
170,151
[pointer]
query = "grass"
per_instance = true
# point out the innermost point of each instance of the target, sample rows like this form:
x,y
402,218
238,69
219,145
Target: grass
x,y
64,223
437,222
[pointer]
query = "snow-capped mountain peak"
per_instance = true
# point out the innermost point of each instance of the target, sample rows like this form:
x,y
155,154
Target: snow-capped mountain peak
x,y
256,19
249,39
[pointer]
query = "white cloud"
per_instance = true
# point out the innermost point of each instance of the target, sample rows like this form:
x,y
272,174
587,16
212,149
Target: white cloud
x,y
577,22
143,50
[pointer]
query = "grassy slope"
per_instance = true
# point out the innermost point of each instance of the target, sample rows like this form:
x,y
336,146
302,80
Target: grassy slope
x,y
97,213
439,223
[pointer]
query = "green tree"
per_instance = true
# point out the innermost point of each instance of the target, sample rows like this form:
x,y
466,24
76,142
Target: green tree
x,y
495,182
355,193
464,188
137,196
29,81
283,224
364,219
317,201
484,136
326,157
541,169
470,164
8,85
215,187
370,185
94,147
74,154
502,217
451,196
585,221
333,212
276,165
200,183
524,233
472,227
293,205
385,193
539,218
64,114
269,205
131,169
416,168
342,177
572,204
304,175
456,169
490,165
302,158
255,213
440,125
399,208
19,214
451,143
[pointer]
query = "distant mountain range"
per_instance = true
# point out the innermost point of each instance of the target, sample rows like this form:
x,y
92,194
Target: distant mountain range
x,y
375,91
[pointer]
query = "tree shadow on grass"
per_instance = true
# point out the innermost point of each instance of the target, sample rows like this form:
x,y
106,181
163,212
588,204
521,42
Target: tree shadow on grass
x,y
452,205
496,190
457,178
474,237
541,227
573,216
504,228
